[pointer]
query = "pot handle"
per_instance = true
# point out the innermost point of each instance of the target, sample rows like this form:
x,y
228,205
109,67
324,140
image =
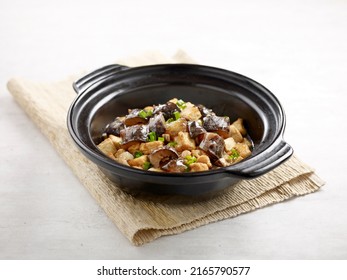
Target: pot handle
x,y
96,76
276,154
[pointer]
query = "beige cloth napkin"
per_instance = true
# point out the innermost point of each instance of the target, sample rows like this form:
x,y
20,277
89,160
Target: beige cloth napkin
x,y
139,219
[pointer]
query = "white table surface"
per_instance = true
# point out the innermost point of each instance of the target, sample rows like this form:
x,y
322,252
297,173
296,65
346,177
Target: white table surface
x,y
297,49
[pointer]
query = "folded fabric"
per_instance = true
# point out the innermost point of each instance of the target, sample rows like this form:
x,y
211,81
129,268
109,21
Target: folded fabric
x,y
140,219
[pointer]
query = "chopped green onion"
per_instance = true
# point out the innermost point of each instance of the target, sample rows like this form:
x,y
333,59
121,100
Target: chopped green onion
x,y
162,139
146,165
177,115
170,120
138,154
152,136
190,159
172,144
142,114
234,154
149,113
181,104
145,114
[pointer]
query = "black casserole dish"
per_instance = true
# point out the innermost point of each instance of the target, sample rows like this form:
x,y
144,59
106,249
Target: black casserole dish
x,y
112,90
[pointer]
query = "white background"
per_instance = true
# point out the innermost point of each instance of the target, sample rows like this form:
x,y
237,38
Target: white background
x,y
297,49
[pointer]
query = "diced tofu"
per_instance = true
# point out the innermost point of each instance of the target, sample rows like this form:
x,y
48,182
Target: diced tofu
x,y
134,148
123,156
240,127
204,159
119,152
191,113
235,133
149,147
173,128
247,142
238,159
197,153
173,100
138,162
126,155
198,166
117,141
166,137
184,142
243,149
155,169
110,155
122,161
229,144
186,153
107,147
232,160
148,108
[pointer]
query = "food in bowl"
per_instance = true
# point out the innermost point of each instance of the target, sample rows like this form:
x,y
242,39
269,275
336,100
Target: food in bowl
x,y
111,90
176,137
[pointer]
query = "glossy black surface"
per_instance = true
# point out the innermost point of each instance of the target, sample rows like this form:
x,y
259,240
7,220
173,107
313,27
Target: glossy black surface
x,y
112,90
